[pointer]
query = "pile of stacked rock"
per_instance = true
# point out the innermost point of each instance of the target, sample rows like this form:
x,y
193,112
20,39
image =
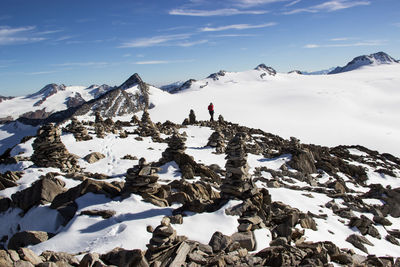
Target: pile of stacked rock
x,y
142,179
165,247
217,140
176,145
237,182
148,128
49,151
192,118
98,126
78,130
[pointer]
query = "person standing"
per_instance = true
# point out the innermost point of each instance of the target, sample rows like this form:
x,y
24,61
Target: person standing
x,y
211,111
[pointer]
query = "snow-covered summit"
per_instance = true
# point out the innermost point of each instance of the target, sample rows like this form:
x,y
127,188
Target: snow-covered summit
x,y
263,67
380,58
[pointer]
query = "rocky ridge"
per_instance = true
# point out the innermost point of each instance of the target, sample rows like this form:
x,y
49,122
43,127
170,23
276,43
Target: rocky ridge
x,y
335,172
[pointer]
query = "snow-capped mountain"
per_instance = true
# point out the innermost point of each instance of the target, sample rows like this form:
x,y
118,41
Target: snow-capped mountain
x,y
172,87
50,99
375,59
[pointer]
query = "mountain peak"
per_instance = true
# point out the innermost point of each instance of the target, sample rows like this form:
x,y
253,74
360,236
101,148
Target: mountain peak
x,y
132,81
379,58
263,67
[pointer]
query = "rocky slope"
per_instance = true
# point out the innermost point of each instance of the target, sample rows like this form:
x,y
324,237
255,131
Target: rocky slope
x,y
366,60
133,192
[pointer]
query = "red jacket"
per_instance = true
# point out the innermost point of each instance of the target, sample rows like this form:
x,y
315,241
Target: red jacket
x,y
210,107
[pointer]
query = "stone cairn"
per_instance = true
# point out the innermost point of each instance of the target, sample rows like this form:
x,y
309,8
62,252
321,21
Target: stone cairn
x,y
78,130
192,117
165,247
49,151
217,140
135,120
148,128
142,179
176,145
191,120
98,126
237,182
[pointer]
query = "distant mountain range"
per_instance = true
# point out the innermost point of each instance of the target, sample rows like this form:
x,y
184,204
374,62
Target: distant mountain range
x,y
57,102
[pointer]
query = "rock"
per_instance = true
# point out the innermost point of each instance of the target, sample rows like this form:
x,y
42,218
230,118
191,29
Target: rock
x,y
142,179
358,242
219,242
105,214
5,204
382,220
192,117
89,259
26,238
94,157
60,257
5,259
303,161
342,258
392,240
65,202
245,239
122,257
42,191
217,140
87,186
237,182
365,226
181,254
308,223
48,264
28,255
49,151
21,263
176,219
280,241
78,130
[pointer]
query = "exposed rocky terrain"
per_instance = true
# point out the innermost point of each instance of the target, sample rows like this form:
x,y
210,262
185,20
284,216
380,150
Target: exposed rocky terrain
x,y
350,214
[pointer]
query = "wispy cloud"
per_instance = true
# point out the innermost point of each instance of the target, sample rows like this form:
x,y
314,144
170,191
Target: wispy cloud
x,y
188,44
151,62
158,62
234,35
18,35
216,12
329,6
237,27
41,72
340,39
155,40
82,64
397,24
363,43
293,3
251,3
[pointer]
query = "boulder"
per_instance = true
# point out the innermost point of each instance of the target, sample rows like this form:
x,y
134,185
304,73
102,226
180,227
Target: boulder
x,y
5,259
42,191
60,257
219,242
359,241
94,157
123,257
27,255
26,238
5,204
245,239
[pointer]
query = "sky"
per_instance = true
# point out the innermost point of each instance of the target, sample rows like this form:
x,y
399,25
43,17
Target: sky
x,y
85,42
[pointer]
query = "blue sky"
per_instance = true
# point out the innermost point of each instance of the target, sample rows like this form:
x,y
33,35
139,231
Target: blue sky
x,y
84,42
